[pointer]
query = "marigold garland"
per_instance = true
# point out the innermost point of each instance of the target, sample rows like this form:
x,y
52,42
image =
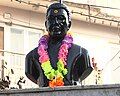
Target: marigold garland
x,y
55,76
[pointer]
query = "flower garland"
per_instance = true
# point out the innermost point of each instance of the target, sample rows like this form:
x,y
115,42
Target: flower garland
x,y
55,76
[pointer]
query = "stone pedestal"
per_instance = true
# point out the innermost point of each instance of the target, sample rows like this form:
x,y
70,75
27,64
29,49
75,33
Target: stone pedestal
x,y
92,90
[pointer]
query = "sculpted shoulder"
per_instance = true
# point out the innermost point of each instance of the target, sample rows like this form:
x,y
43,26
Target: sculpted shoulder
x,y
32,54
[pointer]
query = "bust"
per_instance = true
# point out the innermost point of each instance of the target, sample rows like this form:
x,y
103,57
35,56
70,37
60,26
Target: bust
x,y
76,60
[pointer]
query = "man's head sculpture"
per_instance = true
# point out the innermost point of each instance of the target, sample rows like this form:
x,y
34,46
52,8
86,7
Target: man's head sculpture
x,y
58,20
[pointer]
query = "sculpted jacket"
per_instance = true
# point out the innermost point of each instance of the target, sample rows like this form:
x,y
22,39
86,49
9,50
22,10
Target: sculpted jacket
x,y
78,64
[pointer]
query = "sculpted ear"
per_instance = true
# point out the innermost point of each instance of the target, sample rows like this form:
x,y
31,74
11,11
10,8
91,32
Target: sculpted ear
x,y
46,25
69,25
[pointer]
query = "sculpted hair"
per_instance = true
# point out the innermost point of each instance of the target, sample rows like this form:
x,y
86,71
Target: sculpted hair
x,y
59,6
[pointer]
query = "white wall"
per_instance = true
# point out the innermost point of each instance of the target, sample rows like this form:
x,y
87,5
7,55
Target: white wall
x,y
96,38
23,17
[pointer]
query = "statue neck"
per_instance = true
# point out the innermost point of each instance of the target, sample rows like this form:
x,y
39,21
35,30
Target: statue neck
x,y
55,40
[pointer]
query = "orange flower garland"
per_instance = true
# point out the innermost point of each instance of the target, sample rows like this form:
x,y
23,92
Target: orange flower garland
x,y
56,82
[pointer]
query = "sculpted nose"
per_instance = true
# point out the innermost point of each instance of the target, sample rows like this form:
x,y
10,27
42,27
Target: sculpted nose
x,y
55,20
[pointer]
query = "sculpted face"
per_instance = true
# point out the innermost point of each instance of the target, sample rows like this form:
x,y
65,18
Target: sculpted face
x,y
57,22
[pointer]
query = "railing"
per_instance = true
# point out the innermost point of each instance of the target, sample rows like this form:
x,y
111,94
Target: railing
x,y
93,90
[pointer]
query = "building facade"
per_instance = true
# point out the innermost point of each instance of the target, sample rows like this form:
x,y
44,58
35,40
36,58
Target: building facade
x,y
20,33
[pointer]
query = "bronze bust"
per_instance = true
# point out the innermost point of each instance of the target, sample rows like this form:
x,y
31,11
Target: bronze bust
x,y
75,63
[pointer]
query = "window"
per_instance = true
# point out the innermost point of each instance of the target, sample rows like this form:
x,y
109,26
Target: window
x,y
33,39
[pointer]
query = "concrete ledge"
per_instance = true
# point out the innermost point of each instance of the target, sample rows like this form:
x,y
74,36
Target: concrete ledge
x,y
92,90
